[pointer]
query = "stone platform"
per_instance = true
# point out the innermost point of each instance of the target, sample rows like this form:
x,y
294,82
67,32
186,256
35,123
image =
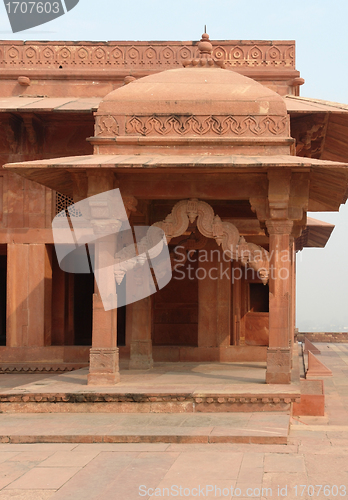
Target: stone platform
x,y
167,388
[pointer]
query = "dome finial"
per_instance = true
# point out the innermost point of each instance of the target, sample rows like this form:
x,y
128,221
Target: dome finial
x,y
205,48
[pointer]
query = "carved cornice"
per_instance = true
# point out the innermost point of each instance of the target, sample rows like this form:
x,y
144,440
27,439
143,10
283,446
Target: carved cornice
x,y
142,55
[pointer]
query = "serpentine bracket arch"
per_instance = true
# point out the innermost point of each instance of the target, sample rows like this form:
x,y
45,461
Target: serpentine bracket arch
x,y
209,225
225,234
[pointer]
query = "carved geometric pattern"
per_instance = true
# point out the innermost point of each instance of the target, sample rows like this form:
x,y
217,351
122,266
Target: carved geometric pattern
x,y
63,202
106,125
183,125
142,55
47,368
211,226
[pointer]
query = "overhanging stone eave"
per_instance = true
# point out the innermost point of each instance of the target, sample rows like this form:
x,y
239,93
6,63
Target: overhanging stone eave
x,y
55,173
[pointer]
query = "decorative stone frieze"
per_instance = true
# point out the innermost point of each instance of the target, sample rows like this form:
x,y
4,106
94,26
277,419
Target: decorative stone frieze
x,y
229,125
142,55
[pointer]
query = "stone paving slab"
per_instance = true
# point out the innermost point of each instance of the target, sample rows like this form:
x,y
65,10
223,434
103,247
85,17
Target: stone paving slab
x,y
149,427
316,454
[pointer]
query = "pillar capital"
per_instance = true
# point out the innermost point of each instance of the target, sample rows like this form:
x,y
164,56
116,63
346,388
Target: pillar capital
x,y
281,227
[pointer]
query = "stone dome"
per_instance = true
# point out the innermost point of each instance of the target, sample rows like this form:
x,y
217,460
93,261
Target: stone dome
x,y
196,105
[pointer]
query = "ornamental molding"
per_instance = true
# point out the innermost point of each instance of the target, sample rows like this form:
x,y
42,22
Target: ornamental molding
x,y
205,125
202,400
142,55
37,368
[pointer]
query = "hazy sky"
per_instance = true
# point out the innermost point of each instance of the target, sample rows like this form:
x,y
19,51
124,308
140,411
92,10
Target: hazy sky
x,y
320,30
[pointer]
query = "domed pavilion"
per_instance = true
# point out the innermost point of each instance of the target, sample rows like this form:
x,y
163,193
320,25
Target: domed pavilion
x,y
206,154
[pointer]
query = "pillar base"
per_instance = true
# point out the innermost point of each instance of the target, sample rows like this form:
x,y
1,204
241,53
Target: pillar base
x,y
103,367
278,365
140,355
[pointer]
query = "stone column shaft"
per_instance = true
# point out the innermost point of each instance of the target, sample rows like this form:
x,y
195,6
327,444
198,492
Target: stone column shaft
x,y
279,352
141,343
104,354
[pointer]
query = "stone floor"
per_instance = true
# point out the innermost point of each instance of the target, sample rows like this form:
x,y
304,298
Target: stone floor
x,y
313,464
166,388
169,378
165,376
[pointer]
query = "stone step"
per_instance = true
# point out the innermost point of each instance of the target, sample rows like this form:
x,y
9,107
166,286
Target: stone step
x,y
260,428
147,402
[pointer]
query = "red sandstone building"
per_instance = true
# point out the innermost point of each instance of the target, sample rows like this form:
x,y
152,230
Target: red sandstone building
x,y
214,145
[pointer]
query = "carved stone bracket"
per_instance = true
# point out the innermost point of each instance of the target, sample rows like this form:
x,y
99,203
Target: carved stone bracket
x,y
208,224
211,226
12,129
32,133
286,200
130,204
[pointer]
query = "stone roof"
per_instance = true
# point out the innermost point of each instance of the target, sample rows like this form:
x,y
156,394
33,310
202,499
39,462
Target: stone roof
x,y
201,100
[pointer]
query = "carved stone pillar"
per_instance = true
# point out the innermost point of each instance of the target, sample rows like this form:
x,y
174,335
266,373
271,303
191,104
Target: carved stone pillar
x,y
141,343
104,355
280,280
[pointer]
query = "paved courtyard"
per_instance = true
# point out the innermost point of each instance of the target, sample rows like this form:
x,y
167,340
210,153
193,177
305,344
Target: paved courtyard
x,y
313,464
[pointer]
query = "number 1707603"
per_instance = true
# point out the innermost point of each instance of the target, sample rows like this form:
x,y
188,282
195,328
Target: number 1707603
x,y
33,7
